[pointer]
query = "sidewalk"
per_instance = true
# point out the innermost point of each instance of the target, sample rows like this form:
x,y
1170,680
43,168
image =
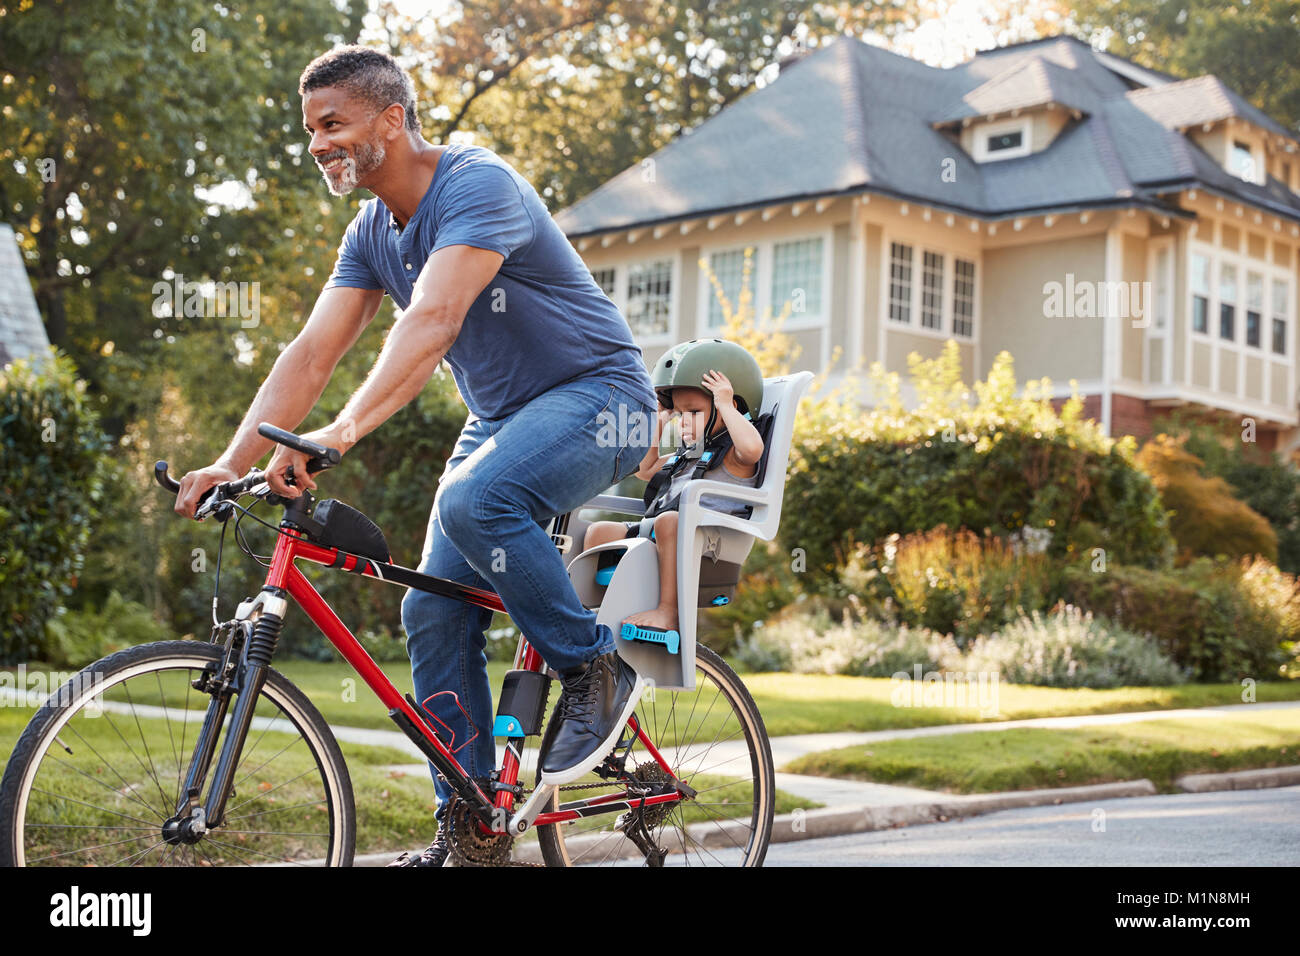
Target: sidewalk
x,y
839,793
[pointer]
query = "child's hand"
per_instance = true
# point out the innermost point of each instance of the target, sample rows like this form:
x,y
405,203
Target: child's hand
x,y
720,386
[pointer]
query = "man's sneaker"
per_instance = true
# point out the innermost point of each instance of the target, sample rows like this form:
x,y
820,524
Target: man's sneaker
x,y
435,855
594,706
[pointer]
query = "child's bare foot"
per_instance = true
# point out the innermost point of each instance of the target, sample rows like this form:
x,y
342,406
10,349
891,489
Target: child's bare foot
x,y
663,617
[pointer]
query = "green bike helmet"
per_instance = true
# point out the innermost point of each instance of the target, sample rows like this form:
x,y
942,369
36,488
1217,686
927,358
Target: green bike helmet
x,y
685,365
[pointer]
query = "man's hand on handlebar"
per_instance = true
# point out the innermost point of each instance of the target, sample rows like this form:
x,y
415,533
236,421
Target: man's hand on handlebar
x,y
286,458
195,483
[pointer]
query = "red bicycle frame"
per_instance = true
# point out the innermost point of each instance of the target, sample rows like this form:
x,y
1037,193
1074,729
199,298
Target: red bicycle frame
x,y
285,577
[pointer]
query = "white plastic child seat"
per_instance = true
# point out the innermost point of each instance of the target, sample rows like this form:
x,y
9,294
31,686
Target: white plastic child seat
x,y
634,586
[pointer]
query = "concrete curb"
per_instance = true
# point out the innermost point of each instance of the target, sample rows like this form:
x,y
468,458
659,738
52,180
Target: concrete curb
x,y
1239,780
838,821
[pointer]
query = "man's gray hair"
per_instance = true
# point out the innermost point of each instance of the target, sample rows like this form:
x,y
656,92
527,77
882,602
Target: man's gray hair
x,y
371,76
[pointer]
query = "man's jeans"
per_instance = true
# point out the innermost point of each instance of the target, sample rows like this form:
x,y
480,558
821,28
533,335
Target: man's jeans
x,y
504,481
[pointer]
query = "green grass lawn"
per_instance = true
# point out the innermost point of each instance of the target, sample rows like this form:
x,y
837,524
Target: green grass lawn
x,y
1037,758
140,759
794,703
816,703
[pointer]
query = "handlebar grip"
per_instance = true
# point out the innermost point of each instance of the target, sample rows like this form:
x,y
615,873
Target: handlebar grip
x,y
328,456
171,484
160,475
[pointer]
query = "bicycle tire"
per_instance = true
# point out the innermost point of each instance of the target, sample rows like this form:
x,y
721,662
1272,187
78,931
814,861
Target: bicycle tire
x,y
113,672
561,845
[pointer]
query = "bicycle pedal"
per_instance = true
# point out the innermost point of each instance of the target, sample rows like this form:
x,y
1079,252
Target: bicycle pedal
x,y
670,640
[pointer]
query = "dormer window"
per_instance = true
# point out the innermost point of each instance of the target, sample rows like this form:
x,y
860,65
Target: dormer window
x,y
1014,139
1241,163
1005,140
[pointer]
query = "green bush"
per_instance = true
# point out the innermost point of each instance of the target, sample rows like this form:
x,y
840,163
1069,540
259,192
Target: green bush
x,y
52,468
1063,648
996,465
1205,517
953,582
811,641
1223,619
78,638
1265,482
769,585
1069,648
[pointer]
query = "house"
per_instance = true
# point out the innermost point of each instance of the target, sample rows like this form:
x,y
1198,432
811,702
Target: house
x,y
22,333
1101,221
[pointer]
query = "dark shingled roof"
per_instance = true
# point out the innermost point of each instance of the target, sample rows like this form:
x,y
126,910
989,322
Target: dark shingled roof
x,y
852,117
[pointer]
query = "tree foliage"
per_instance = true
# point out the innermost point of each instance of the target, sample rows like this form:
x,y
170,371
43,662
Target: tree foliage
x,y
52,471
1250,46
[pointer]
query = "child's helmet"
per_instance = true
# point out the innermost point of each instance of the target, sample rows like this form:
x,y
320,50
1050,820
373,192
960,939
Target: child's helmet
x,y
685,365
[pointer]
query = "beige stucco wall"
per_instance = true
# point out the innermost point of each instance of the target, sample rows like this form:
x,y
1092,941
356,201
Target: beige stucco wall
x,y
1012,309
1133,268
871,317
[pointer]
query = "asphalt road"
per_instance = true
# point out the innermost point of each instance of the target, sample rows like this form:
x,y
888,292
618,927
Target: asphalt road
x,y
1228,828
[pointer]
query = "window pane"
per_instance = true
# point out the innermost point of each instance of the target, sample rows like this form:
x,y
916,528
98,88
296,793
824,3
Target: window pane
x,y
649,297
963,297
605,279
1201,274
1228,283
1279,316
932,290
1241,162
1001,141
1227,302
900,282
1227,321
1254,291
797,277
1252,328
1200,313
1162,287
728,268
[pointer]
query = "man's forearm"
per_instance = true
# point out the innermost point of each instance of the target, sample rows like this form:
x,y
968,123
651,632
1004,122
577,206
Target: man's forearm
x,y
411,353
285,398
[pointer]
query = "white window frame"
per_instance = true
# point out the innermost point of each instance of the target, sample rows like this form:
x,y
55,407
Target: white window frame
x,y
1257,158
1154,330
1024,125
949,254
760,278
622,270
1218,256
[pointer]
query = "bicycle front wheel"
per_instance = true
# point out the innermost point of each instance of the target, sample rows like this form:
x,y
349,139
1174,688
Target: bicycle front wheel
x,y
101,765
714,740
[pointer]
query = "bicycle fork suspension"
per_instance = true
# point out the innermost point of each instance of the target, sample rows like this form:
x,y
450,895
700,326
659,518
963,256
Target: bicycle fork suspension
x,y
191,819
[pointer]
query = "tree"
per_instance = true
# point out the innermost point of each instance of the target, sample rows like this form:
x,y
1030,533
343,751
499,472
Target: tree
x,y
1250,46
124,135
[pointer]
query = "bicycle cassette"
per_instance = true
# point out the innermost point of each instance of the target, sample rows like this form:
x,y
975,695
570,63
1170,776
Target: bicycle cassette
x,y
470,846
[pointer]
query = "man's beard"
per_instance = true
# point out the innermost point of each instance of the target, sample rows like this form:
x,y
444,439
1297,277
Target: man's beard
x,y
369,157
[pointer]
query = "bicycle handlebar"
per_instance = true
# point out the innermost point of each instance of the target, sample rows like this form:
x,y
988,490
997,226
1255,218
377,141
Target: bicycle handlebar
x,y
322,458
327,456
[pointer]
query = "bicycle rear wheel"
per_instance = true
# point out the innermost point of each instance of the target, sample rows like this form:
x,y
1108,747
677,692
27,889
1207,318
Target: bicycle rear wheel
x,y
100,767
714,740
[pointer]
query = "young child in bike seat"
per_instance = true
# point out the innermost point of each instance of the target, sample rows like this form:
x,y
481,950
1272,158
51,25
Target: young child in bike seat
x,y
717,389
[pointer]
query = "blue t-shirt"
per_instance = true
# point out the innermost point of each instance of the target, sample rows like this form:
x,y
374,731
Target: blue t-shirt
x,y
541,322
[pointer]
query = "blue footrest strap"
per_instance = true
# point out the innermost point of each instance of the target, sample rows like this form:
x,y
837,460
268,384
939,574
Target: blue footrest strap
x,y
671,640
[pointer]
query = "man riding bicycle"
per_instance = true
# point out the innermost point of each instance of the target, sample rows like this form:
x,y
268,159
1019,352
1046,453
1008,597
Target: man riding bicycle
x,y
543,360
